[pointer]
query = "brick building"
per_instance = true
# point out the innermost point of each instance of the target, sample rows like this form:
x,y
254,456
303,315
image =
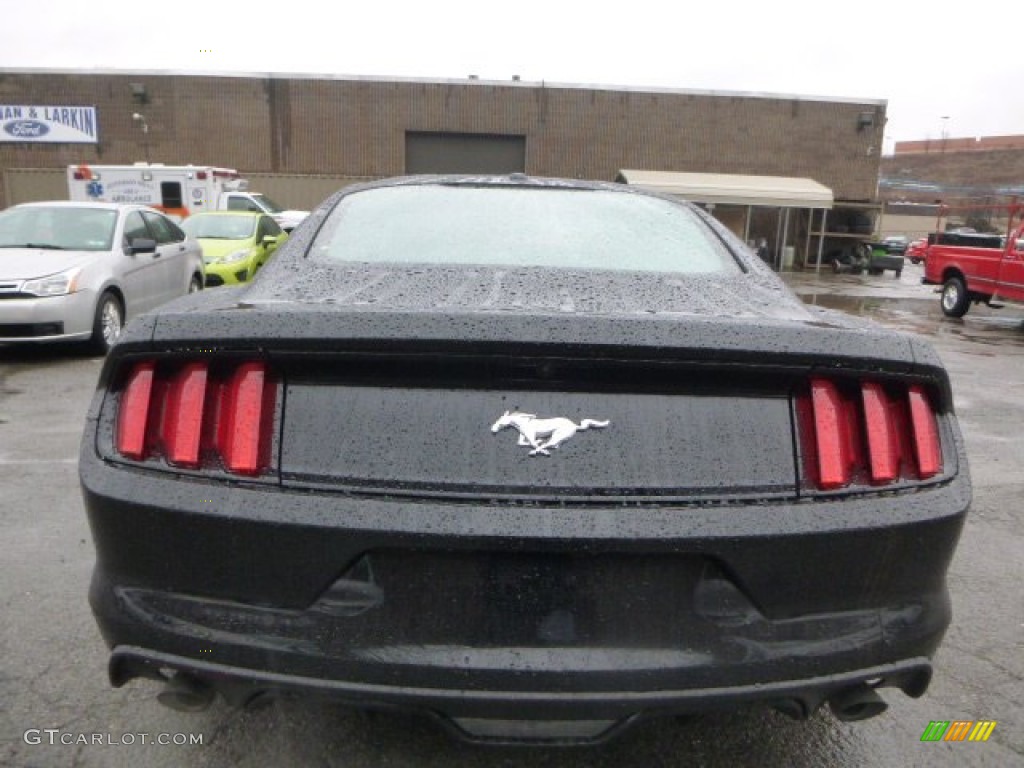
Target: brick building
x,y
985,171
301,137
954,170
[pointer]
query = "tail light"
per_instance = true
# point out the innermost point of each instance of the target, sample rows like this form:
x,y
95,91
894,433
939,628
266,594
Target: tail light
x,y
870,434
192,416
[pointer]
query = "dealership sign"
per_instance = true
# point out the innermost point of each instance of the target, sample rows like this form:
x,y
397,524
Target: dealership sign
x,y
48,124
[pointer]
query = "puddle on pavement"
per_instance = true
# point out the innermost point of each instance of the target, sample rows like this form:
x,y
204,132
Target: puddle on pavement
x,y
864,306
979,326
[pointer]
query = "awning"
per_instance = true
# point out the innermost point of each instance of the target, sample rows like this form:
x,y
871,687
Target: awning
x,y
731,189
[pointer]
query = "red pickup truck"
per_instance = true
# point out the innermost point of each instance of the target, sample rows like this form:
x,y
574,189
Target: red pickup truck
x,y
974,268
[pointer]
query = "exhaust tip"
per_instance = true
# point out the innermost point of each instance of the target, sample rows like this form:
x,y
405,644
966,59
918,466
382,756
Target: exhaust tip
x,y
792,708
857,703
185,693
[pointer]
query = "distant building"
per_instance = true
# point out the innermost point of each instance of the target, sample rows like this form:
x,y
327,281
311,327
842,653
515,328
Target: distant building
x,y
301,137
943,145
986,169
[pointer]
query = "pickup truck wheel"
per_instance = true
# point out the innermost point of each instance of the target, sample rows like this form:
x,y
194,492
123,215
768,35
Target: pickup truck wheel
x,y
955,300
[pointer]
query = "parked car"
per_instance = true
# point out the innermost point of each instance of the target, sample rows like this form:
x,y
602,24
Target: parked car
x,y
78,271
538,457
885,256
865,256
917,250
896,244
235,244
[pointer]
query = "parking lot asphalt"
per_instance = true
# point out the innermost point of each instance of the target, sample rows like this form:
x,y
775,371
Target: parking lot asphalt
x,y
907,286
53,668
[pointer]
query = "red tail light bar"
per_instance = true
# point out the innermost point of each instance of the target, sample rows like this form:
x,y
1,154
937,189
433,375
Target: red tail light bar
x,y
191,416
873,434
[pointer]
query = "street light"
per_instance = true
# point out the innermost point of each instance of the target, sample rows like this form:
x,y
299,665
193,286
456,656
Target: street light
x,y
945,130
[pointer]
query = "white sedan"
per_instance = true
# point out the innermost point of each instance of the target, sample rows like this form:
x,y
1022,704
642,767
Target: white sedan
x,y
79,271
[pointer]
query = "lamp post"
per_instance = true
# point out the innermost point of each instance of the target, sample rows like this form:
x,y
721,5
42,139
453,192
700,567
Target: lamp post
x,y
945,130
141,120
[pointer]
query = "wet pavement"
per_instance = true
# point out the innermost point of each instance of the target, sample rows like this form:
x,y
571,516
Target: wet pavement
x,y
53,673
885,286
906,304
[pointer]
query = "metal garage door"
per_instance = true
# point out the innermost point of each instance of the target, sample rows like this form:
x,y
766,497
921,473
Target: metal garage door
x,y
464,153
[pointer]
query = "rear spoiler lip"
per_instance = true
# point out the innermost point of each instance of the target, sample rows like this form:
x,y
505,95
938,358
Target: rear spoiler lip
x,y
693,336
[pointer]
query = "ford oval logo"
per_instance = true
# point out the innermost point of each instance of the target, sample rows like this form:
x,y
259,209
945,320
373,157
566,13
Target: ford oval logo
x,y
31,129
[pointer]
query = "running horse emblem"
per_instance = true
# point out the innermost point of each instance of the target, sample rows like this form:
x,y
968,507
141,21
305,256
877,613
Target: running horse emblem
x,y
542,434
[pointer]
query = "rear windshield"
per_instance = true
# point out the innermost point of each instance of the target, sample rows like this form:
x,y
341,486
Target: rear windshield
x,y
519,226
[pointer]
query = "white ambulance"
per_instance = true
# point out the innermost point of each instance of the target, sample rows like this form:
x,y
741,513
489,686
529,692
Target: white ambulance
x,y
177,190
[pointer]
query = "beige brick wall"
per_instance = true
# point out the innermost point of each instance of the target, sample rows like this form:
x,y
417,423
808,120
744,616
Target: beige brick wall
x,y
356,127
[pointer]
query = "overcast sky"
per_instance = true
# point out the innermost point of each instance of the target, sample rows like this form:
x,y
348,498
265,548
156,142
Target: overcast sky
x,y
940,72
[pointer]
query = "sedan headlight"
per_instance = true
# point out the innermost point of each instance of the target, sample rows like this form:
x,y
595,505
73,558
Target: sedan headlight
x,y
231,258
54,285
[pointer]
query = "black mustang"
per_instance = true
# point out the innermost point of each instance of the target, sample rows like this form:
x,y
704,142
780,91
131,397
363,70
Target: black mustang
x,y
536,457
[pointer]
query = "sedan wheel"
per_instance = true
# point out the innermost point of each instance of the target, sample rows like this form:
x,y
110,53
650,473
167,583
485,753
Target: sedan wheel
x,y
107,325
955,300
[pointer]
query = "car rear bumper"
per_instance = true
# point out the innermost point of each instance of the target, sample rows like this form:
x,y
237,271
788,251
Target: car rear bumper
x,y
522,716
892,261
497,612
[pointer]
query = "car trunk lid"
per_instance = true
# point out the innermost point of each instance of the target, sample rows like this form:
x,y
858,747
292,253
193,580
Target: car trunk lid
x,y
536,426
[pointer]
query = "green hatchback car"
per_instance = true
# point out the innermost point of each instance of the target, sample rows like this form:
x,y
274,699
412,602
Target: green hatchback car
x,y
235,243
